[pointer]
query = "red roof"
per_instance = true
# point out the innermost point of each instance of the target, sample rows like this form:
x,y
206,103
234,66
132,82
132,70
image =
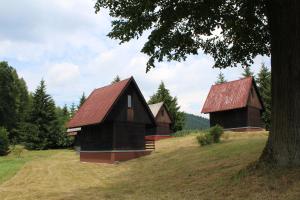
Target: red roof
x,y
228,96
98,104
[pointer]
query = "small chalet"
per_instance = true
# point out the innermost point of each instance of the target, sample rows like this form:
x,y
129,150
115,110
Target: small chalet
x,y
235,105
163,122
111,124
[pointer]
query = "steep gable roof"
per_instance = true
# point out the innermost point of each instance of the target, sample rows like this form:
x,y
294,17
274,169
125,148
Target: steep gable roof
x,y
228,96
97,106
155,108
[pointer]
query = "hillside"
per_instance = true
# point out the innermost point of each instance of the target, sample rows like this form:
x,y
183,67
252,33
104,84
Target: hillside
x,y
178,169
195,122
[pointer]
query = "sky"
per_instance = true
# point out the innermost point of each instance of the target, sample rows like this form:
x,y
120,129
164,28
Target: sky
x,y
65,43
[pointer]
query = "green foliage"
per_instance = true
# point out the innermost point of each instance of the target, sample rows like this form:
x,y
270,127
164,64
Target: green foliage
x,y
216,133
181,28
221,78
82,100
195,122
72,110
186,132
247,72
204,139
163,95
264,86
4,143
14,101
116,79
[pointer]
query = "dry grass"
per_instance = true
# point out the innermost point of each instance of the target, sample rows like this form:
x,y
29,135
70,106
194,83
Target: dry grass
x,y
178,169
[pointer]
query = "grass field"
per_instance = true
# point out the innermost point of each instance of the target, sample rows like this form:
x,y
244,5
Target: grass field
x,y
178,169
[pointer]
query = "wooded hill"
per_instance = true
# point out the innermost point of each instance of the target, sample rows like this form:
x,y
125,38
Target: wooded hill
x,y
195,122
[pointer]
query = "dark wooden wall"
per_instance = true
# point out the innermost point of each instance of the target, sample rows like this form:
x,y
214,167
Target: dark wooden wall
x,y
129,136
96,137
120,111
244,117
229,119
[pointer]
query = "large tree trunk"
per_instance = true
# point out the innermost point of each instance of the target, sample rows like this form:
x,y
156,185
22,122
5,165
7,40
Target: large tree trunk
x,y
283,146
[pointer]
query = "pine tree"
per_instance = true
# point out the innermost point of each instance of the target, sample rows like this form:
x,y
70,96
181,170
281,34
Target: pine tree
x,y
72,109
43,116
247,72
264,86
116,79
220,78
82,100
163,94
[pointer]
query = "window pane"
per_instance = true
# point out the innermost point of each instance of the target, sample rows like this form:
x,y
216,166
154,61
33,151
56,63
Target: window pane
x,y
129,101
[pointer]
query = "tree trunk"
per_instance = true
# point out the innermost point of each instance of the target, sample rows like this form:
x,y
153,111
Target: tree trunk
x,y
283,146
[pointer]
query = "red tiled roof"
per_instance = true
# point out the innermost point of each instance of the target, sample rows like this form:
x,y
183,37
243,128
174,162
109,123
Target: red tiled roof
x,y
227,96
98,104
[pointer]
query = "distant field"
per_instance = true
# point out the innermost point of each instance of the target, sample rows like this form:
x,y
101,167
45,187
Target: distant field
x,y
178,169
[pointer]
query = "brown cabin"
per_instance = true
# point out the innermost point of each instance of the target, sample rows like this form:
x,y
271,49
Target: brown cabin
x,y
235,105
163,121
111,124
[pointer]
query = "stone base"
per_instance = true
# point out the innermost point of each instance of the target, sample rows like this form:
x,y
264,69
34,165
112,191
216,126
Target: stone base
x,y
245,129
157,137
111,156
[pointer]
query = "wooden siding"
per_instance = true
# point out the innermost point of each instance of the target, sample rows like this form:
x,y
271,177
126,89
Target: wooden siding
x,y
163,116
254,117
97,137
120,111
253,99
229,119
129,136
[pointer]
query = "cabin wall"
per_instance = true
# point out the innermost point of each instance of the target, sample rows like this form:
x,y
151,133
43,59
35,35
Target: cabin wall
x,y
96,137
230,119
254,117
129,136
138,113
163,116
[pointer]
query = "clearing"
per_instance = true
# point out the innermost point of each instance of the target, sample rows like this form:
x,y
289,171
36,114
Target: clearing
x,y
178,169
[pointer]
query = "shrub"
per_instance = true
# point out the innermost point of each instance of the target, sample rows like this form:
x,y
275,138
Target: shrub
x,y
204,139
216,133
4,142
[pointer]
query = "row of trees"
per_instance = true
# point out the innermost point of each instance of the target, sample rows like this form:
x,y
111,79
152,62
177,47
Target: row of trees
x,y
31,119
263,80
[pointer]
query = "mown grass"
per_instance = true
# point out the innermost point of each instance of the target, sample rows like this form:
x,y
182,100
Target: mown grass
x,y
178,169
11,164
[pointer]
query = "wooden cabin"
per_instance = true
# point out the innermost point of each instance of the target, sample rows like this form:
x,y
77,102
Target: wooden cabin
x,y
163,122
235,105
111,124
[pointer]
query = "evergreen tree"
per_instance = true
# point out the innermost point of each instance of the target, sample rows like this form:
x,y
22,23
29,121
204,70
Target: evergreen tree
x,y
82,100
4,144
247,72
163,94
116,79
43,115
72,109
264,86
221,78
63,117
8,97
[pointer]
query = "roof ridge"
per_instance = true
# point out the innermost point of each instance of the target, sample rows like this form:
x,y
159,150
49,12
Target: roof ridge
x,y
241,79
124,80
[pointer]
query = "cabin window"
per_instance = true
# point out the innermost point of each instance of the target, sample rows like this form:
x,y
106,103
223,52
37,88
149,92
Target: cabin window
x,y
129,101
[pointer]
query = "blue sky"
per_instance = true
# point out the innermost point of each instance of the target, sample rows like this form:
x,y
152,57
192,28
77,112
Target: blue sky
x,y
65,43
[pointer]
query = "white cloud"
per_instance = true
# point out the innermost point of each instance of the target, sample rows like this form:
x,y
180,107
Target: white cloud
x,y
65,42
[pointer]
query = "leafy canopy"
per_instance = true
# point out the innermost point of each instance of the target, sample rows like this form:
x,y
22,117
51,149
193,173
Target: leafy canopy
x,y
232,31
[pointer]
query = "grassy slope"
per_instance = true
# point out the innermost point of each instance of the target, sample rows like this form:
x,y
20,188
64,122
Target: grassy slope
x,y
178,169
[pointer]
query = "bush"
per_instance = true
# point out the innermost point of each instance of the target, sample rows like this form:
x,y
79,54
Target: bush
x,y
204,139
4,142
216,133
